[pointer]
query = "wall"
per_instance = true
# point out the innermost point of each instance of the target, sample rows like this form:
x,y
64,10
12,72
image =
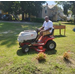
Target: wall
x,y
43,11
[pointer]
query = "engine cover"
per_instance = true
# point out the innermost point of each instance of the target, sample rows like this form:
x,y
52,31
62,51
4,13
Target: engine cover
x,y
27,35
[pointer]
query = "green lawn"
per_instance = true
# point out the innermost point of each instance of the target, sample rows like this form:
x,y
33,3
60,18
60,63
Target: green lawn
x,y
12,60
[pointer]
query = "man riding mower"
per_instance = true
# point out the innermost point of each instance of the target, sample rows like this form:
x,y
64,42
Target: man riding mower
x,y
44,41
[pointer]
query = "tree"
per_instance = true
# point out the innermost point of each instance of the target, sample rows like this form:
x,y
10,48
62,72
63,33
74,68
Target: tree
x,y
15,7
30,7
69,12
38,7
1,5
23,7
72,3
66,7
12,7
6,6
65,4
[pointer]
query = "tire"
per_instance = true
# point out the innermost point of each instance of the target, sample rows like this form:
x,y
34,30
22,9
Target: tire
x,y
51,45
25,49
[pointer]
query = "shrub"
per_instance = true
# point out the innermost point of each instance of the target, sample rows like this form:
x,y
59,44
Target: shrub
x,y
71,20
39,20
59,23
41,56
66,55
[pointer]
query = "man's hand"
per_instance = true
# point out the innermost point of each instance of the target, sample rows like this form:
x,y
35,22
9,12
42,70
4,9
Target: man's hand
x,y
40,29
41,32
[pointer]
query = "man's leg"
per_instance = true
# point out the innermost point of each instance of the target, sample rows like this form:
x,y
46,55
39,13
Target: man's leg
x,y
46,33
43,34
40,34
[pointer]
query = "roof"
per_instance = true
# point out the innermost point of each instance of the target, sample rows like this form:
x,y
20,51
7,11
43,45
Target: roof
x,y
50,6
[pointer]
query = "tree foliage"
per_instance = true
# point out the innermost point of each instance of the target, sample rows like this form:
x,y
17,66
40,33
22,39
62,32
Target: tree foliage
x,y
30,7
65,5
72,3
68,5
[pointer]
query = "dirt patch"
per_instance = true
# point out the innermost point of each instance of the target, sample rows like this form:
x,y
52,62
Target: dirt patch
x,y
70,62
5,32
1,56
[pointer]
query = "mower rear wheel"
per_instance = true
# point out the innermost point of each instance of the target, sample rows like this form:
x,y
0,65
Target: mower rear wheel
x,y
25,49
51,45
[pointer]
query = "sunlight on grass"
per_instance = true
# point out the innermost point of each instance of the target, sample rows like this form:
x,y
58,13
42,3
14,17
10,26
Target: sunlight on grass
x,y
1,24
24,26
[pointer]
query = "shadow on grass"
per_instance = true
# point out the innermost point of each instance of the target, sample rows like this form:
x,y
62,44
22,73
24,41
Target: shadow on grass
x,y
69,23
59,36
49,52
42,61
9,40
20,53
67,61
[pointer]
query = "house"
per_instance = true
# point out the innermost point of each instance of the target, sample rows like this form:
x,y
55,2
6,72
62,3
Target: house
x,y
53,11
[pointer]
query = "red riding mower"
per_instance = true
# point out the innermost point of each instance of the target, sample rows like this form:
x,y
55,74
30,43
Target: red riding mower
x,y
27,38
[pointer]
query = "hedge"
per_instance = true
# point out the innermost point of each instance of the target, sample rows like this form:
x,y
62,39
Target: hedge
x,y
39,20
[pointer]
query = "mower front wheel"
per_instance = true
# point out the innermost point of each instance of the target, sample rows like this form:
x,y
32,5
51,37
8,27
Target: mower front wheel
x,y
25,49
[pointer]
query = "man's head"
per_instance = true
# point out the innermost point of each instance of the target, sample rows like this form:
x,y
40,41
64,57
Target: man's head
x,y
46,18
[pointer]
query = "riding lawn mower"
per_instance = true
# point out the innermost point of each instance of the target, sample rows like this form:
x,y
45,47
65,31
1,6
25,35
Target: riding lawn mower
x,y
27,40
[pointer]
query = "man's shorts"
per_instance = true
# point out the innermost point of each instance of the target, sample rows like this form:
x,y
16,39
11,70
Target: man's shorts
x,y
46,33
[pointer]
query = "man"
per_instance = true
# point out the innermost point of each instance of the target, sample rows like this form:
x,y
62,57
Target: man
x,y
46,28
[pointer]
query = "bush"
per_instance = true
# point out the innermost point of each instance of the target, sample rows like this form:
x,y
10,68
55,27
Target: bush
x,y
39,20
41,56
71,20
59,23
66,55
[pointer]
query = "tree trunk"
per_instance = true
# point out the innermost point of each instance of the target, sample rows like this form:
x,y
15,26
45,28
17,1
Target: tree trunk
x,y
23,16
65,11
29,15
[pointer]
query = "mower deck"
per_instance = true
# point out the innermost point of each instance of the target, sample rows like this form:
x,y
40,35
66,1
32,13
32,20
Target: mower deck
x,y
39,49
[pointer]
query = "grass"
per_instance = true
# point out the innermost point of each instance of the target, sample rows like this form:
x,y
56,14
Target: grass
x,y
13,61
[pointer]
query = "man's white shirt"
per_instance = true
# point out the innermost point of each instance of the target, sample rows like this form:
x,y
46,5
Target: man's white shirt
x,y
48,25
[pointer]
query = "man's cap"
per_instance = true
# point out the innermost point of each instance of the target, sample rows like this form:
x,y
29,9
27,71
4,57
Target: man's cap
x,y
46,17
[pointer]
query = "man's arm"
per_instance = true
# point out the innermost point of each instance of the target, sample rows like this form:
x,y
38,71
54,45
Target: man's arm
x,y
48,29
40,28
